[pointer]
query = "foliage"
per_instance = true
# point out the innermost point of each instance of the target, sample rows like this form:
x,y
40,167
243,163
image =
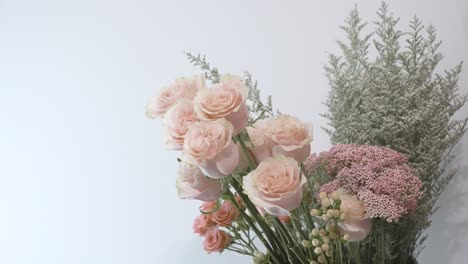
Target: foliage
x,y
257,108
398,100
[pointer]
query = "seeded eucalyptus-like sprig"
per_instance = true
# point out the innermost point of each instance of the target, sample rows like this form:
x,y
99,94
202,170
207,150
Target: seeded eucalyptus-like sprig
x,y
397,99
256,107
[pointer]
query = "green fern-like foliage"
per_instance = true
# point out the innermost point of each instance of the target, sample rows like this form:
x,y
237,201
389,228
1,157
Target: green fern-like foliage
x,y
397,99
256,107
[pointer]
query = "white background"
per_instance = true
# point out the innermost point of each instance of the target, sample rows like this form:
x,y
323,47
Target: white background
x,y
85,177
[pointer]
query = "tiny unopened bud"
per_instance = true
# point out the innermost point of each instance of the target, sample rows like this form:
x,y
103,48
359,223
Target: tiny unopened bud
x,y
326,203
315,242
328,253
332,235
334,196
323,195
346,237
318,251
323,233
306,243
326,240
321,259
314,212
325,247
325,217
315,231
313,262
331,213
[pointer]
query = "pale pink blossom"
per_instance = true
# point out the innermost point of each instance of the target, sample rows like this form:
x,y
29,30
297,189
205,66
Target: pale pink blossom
x,y
181,88
356,224
276,185
208,145
216,240
177,121
193,184
262,145
202,224
291,137
224,100
380,177
225,215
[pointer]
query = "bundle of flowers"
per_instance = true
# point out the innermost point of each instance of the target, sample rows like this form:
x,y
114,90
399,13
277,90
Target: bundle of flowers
x,y
264,195
258,185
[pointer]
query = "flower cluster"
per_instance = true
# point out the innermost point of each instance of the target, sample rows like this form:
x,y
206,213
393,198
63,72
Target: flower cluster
x,y
341,216
209,222
200,121
380,177
209,126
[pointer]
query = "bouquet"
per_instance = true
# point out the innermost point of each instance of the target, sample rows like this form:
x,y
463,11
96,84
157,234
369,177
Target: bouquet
x,y
262,192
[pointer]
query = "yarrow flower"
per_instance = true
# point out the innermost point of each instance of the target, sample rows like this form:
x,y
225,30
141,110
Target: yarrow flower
x,y
380,177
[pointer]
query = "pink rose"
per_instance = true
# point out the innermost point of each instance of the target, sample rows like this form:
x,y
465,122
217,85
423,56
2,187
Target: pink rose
x,y
224,100
225,215
276,185
177,121
262,145
208,145
181,88
193,184
209,207
202,224
355,224
290,136
216,240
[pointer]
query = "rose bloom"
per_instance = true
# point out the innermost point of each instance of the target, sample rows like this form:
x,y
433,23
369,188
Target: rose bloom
x,y
216,240
276,185
225,215
355,224
202,224
262,145
290,136
177,121
181,88
209,207
208,145
193,184
224,100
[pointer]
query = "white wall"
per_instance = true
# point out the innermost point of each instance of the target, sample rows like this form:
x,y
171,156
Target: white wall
x,y
84,177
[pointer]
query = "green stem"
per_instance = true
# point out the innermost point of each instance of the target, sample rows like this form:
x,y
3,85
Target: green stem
x,y
354,248
253,226
256,215
292,243
284,242
248,156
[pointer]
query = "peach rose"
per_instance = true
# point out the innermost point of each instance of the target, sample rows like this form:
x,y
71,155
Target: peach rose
x,y
216,240
208,145
290,136
181,88
202,224
225,215
209,207
355,224
177,121
224,100
262,145
276,185
193,184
